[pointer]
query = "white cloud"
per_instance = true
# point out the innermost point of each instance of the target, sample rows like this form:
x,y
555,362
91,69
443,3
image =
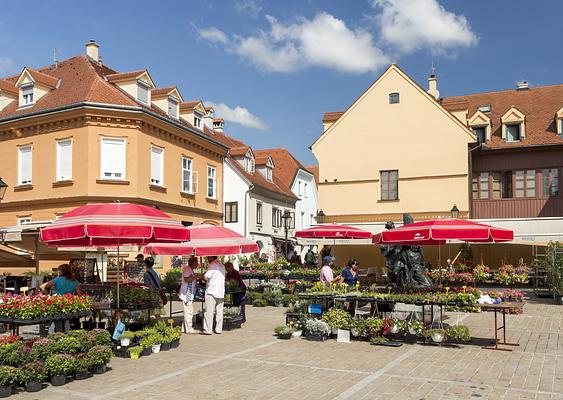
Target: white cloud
x,y
249,7
238,115
6,65
324,41
213,35
410,25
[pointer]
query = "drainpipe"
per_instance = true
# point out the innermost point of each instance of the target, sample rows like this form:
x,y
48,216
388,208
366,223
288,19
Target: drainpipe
x,y
246,216
470,177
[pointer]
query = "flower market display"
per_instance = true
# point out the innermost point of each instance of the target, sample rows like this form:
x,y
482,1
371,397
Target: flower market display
x,y
27,363
153,339
39,308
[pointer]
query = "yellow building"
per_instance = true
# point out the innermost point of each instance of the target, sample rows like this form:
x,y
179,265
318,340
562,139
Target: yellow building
x,y
79,132
395,150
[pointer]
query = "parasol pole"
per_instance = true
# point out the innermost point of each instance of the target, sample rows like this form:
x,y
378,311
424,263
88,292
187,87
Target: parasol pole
x,y
118,303
440,262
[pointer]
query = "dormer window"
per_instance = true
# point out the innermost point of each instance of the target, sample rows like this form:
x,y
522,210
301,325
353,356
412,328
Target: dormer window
x,y
513,133
250,165
172,107
480,124
513,125
480,133
197,120
27,94
143,91
559,122
269,174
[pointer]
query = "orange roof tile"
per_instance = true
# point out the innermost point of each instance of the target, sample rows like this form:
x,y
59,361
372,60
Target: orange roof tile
x,y
8,87
332,116
287,166
43,79
189,105
239,151
314,169
125,75
538,104
164,90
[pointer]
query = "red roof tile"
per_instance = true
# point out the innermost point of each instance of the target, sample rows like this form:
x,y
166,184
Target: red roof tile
x,y
286,165
314,169
125,75
239,151
332,116
8,87
43,79
189,105
538,104
164,90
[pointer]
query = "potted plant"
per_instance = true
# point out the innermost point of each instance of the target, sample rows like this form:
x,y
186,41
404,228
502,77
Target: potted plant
x,y
391,325
415,327
317,330
358,327
8,377
135,352
458,333
174,333
152,341
68,345
82,365
126,337
437,335
32,375
337,319
284,332
58,366
373,327
100,356
379,340
166,343
297,329
100,337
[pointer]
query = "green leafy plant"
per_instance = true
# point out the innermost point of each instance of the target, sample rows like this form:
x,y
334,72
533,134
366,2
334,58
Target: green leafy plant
x,y
231,312
11,353
60,364
84,337
127,335
378,339
68,345
359,326
283,329
173,279
9,375
459,333
100,354
260,303
374,327
135,351
337,318
174,333
415,327
83,362
100,336
317,327
33,371
43,348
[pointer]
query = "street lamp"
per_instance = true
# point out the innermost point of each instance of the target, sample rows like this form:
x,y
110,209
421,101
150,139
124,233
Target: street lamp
x,y
454,212
286,218
3,187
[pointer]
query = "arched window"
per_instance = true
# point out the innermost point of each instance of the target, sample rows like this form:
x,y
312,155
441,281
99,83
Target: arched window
x,y
393,98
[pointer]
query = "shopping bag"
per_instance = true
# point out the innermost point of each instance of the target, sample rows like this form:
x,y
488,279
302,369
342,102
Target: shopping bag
x,y
119,329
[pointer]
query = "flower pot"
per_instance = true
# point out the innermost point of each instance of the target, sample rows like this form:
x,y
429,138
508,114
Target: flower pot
x,y
80,375
5,391
316,337
297,333
412,331
437,337
394,329
99,369
354,332
165,347
58,380
284,336
174,344
125,342
334,331
155,348
33,386
146,352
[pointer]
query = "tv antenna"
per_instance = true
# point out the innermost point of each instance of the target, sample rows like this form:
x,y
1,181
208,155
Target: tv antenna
x,y
55,60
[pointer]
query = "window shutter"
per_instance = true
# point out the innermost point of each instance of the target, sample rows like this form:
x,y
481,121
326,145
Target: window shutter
x,y
142,92
25,165
194,181
393,195
156,165
64,160
113,159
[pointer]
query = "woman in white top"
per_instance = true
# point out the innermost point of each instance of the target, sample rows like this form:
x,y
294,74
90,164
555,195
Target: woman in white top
x,y
187,291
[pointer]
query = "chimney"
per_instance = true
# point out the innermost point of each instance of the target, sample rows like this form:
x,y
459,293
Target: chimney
x,y
433,86
522,85
218,124
208,117
92,50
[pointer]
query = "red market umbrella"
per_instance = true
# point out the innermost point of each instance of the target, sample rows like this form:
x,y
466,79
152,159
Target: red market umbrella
x,y
206,240
438,231
113,224
333,232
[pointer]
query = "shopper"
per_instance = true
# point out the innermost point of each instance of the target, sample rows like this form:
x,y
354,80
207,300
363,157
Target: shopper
x,y
187,291
350,273
326,275
214,296
150,278
136,270
310,258
65,283
239,298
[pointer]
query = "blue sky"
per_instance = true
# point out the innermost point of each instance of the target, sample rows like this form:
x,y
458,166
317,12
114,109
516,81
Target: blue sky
x,y
273,67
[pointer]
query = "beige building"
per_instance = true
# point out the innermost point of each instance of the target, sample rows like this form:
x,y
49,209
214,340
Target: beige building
x,y
395,150
79,132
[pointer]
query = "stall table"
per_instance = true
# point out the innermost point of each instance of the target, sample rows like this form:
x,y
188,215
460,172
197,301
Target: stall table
x,y
496,308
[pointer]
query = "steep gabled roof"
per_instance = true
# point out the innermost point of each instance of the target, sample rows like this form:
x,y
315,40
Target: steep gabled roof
x,y
125,75
538,104
287,166
40,78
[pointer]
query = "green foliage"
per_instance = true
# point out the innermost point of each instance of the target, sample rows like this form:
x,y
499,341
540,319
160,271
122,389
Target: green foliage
x,y
100,336
378,339
174,333
231,312
83,362
317,327
459,333
100,354
43,348
173,279
60,364
127,335
68,345
33,371
259,303
135,295
8,375
553,264
373,327
281,329
135,351
359,325
337,318
84,337
152,339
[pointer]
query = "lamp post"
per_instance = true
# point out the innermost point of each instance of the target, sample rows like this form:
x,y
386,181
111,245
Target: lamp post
x,y
454,212
286,218
3,187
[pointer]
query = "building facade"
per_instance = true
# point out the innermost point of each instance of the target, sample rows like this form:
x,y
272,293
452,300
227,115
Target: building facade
x,y
79,132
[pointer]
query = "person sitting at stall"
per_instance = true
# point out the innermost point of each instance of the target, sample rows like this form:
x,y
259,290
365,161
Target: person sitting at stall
x,y
150,277
350,273
214,296
65,283
326,275
136,270
239,298
187,291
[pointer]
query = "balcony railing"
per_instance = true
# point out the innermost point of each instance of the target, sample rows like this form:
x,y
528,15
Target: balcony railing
x,y
518,208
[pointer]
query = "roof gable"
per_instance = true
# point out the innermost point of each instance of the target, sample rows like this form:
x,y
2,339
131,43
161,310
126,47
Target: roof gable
x,y
479,118
36,77
170,91
142,74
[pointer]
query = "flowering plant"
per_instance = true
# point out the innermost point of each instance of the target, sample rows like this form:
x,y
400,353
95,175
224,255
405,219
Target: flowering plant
x,y
512,295
317,327
40,306
43,348
389,324
60,364
8,375
481,273
100,355
33,371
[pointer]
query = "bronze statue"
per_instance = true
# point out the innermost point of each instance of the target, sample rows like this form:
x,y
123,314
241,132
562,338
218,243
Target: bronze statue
x,y
406,262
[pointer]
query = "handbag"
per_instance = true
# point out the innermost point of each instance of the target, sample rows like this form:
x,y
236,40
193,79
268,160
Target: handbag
x,y
199,294
161,293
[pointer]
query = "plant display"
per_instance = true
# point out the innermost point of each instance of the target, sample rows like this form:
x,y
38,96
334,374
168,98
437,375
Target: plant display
x,y
458,333
378,340
390,325
8,375
68,345
358,326
8,339
43,348
512,295
373,327
100,355
317,327
127,335
173,279
135,352
43,306
553,264
84,337
437,335
82,362
33,371
136,295
14,353
60,364
415,327
100,336
231,312
481,273
337,318
284,331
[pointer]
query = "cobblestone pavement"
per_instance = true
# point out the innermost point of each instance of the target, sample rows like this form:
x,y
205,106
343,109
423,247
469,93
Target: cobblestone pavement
x,y
250,363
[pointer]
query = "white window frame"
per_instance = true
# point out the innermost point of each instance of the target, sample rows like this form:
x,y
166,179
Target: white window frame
x,y
189,169
24,220
519,125
259,213
157,180
212,174
306,189
60,177
123,162
197,120
269,174
20,165
299,188
28,99
146,86
173,105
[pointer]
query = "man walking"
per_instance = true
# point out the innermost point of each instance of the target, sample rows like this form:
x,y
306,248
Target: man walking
x,y
214,296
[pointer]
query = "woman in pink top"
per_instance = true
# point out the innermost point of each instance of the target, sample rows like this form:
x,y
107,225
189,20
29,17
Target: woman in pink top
x,y
326,275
